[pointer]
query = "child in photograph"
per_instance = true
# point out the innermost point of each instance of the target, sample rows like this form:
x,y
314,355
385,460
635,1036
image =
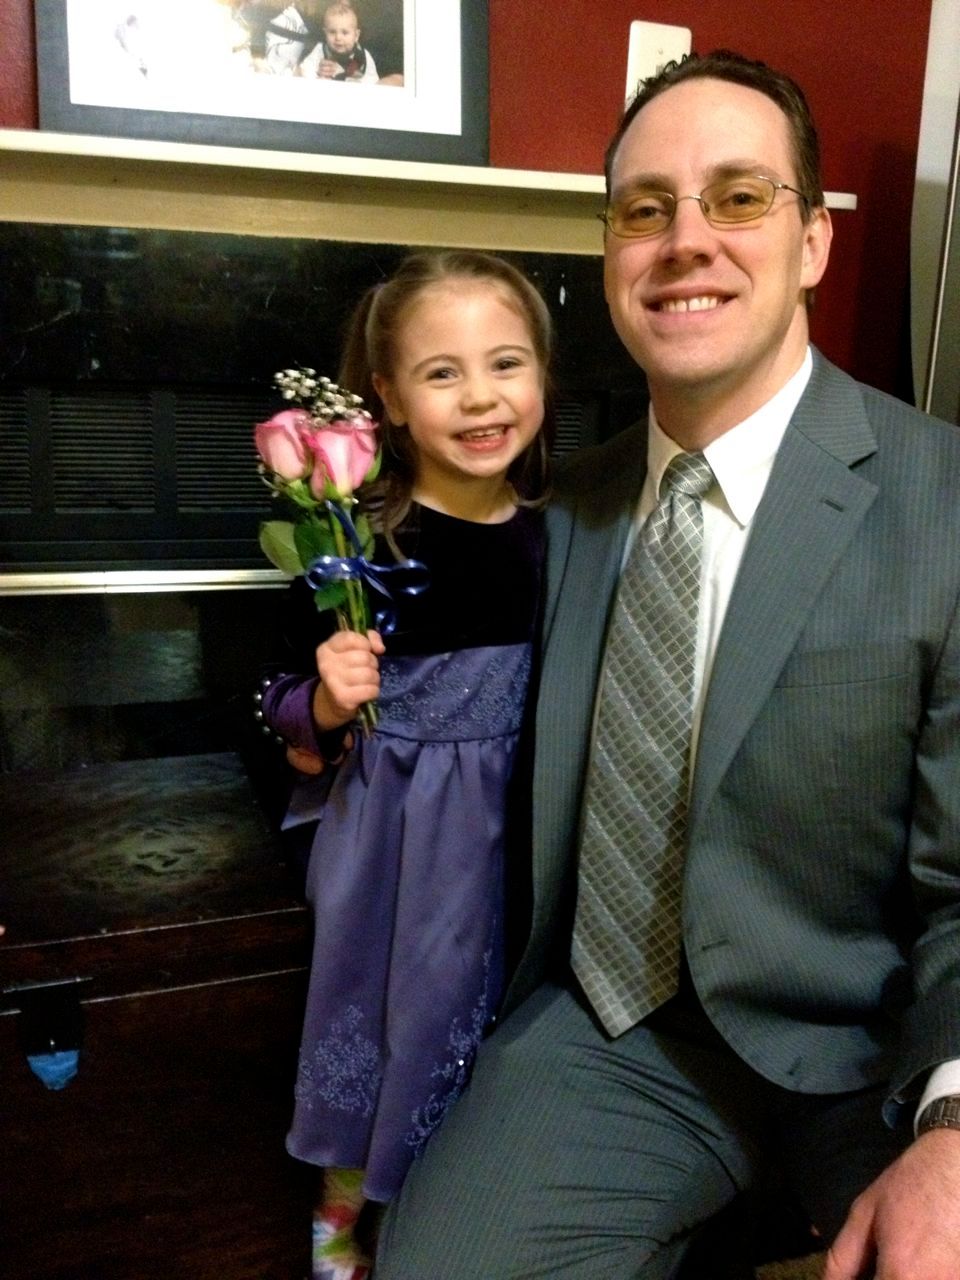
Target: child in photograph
x,y
343,56
406,870
313,39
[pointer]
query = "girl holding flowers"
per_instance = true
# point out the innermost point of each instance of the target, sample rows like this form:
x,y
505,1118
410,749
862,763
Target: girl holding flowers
x,y
406,868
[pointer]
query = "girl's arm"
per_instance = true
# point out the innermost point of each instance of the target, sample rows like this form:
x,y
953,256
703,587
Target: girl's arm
x,y
349,676
310,713
290,689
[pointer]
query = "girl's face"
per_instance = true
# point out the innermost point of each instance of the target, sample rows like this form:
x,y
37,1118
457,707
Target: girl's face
x,y
467,384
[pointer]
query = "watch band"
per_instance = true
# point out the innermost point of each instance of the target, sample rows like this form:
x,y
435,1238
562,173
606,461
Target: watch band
x,y
942,1113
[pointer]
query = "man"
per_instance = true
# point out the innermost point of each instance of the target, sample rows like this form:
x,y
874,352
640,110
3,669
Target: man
x,y
818,988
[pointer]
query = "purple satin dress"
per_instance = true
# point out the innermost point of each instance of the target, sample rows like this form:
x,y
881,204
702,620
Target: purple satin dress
x,y
406,870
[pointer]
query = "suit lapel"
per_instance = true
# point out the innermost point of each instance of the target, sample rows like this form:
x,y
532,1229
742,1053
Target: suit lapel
x,y
587,528
811,509
586,536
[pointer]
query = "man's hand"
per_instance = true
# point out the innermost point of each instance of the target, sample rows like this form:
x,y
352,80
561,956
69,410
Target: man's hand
x,y
304,761
349,676
310,763
907,1223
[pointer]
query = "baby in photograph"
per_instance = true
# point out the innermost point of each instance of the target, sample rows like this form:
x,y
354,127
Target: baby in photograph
x,y
316,39
344,57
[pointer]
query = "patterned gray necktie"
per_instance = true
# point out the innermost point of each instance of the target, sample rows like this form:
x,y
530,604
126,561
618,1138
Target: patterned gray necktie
x,y
626,939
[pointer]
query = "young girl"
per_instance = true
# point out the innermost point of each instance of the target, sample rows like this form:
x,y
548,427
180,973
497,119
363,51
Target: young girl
x,y
405,873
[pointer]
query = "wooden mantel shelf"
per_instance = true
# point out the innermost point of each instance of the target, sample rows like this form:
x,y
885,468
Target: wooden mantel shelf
x,y
72,144
93,180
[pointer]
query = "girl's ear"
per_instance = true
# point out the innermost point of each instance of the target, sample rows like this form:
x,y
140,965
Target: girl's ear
x,y
385,390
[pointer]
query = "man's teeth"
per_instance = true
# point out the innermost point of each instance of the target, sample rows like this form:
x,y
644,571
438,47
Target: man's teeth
x,y
482,433
708,302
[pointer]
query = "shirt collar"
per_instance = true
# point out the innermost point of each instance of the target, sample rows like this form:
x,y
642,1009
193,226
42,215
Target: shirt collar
x,y
742,458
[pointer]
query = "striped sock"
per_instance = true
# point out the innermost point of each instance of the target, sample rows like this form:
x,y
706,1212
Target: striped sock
x,y
336,1255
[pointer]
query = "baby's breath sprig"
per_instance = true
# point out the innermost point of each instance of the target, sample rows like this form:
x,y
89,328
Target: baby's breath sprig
x,y
327,401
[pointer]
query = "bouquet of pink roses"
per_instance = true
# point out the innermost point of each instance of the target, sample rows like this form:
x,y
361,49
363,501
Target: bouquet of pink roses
x,y
314,458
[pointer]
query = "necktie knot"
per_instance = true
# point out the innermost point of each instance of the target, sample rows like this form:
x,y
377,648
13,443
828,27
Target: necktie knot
x,y
688,473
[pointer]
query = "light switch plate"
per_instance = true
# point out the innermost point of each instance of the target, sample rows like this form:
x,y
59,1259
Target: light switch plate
x,y
652,45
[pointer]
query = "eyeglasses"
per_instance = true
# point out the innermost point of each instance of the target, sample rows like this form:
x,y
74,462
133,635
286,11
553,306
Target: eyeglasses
x,y
726,203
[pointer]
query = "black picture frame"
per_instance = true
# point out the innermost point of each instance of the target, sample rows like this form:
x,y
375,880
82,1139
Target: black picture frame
x,y
418,124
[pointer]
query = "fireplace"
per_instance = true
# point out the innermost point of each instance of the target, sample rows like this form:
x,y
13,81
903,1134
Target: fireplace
x,y
135,604
157,942
156,933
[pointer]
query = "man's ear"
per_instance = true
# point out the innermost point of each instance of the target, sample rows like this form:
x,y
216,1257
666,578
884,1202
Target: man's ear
x,y
817,237
385,390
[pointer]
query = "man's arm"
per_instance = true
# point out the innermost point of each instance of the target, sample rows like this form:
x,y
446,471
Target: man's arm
x,y
908,1219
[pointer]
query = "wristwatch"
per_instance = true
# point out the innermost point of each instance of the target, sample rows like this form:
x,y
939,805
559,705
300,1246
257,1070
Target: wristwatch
x,y
942,1113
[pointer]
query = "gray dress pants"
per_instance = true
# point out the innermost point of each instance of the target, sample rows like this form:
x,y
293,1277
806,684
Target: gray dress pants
x,y
572,1155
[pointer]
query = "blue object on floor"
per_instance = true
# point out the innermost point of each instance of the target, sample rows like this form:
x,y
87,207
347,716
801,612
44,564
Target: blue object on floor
x,y
56,1070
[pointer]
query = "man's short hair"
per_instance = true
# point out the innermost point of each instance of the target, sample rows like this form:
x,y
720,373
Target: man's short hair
x,y
723,64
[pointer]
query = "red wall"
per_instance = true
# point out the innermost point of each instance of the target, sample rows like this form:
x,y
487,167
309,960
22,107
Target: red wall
x,y
557,88
18,80
557,76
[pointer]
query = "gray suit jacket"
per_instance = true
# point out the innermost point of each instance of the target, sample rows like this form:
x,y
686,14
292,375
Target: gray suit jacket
x,y
822,886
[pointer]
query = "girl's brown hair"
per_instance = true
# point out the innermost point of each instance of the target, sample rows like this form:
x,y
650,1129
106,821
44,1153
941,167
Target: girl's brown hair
x,y
370,348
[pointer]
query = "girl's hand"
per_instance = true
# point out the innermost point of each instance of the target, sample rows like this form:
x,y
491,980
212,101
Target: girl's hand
x,y
349,676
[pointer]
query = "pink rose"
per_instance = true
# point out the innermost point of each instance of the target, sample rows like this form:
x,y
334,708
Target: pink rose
x,y
282,443
344,451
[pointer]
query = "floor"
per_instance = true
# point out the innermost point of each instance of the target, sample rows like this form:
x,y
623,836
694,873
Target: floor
x,y
810,1268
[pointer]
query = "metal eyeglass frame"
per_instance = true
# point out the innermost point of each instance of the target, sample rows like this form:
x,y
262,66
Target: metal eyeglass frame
x,y
705,207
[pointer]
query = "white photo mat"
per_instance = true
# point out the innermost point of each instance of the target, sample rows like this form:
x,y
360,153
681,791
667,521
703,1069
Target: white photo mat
x,y
173,72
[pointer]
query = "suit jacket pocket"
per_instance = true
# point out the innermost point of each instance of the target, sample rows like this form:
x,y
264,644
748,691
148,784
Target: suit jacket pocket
x,y
850,664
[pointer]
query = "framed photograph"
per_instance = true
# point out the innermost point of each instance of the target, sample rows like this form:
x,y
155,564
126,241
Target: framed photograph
x,y
389,79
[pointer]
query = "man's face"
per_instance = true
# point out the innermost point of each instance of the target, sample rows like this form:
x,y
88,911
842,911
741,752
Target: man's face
x,y
715,316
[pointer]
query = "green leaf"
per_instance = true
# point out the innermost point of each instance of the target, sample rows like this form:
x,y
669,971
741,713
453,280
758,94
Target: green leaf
x,y
278,545
332,596
374,467
314,538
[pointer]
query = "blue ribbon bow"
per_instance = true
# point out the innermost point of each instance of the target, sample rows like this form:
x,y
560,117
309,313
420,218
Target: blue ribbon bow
x,y
326,569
